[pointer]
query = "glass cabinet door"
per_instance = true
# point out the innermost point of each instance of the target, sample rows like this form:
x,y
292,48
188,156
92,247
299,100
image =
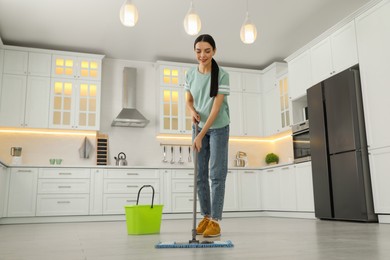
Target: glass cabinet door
x,y
89,69
64,66
170,110
87,107
62,104
284,102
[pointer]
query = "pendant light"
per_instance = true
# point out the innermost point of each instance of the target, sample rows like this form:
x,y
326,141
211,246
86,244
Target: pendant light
x,y
248,31
192,23
128,14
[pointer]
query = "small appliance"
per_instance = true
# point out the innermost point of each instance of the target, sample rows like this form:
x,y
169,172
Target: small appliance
x,y
16,153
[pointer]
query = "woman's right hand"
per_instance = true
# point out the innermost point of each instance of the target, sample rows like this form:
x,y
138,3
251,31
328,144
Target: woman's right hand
x,y
195,118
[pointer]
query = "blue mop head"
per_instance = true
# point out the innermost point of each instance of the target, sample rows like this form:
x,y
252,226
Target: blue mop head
x,y
227,243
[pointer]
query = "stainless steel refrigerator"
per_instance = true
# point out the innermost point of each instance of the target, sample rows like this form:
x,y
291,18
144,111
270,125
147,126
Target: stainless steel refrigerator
x,y
341,177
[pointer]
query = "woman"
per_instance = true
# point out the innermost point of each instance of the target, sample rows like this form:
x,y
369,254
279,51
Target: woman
x,y
207,88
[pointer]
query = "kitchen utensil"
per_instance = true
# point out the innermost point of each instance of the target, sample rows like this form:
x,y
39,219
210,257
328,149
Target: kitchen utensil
x,y
189,154
16,151
165,155
241,159
172,155
121,159
180,158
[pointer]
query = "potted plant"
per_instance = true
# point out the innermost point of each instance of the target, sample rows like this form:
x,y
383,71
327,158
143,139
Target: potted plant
x,y
271,158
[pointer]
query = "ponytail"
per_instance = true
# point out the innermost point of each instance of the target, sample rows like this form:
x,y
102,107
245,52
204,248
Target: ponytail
x,y
214,78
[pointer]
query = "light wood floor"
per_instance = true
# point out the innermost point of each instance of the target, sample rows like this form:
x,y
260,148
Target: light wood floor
x,y
253,238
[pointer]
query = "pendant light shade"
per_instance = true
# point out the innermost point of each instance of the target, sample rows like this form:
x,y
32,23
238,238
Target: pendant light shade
x,y
192,23
248,33
128,14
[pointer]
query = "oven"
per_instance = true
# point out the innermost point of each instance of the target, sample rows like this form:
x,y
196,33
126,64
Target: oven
x,y
301,142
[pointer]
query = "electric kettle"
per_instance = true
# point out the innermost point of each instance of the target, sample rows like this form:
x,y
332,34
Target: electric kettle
x,y
121,159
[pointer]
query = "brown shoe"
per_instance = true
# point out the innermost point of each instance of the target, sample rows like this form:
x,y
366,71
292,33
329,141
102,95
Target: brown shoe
x,y
202,225
212,230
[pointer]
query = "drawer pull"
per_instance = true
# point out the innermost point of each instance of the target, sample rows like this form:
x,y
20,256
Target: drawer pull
x,y
64,187
63,202
24,171
129,201
191,174
132,173
65,173
132,186
270,170
249,172
191,186
285,168
190,199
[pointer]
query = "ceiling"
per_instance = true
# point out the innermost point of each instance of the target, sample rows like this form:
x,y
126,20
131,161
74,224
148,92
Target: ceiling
x,y
93,26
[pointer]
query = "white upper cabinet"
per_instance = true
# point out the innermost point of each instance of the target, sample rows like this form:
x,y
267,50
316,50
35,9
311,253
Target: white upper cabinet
x,y
75,67
373,39
27,63
251,82
334,54
299,74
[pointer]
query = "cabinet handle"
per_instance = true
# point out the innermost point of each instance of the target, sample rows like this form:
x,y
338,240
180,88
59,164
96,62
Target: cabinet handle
x,y
270,170
24,170
64,187
191,186
63,202
285,168
190,199
131,201
65,173
131,173
132,186
249,172
190,174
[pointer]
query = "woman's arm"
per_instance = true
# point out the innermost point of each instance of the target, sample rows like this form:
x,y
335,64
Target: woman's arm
x,y
190,106
218,100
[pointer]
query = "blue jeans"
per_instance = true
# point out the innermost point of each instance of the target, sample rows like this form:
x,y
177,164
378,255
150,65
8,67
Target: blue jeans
x,y
213,156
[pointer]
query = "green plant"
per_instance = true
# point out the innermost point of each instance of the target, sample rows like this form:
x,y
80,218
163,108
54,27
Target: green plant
x,y
271,158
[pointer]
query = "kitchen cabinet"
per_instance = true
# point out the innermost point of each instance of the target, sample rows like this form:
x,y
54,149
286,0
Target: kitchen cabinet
x,y
182,191
231,192
96,191
22,192
299,75
241,81
235,113
380,179
25,89
248,188
304,187
334,54
288,198
77,67
63,191
121,186
270,189
74,104
174,115
3,189
372,29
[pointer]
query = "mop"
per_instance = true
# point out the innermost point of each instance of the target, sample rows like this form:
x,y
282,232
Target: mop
x,y
194,243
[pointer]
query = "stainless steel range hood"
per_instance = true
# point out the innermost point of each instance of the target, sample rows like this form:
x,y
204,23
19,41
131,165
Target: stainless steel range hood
x,y
129,116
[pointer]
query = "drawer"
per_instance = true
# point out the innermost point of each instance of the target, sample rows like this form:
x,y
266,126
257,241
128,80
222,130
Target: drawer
x,y
114,203
50,186
131,173
62,205
183,174
73,173
183,202
130,186
182,185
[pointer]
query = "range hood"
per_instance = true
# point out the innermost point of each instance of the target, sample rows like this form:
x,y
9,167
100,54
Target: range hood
x,y
129,116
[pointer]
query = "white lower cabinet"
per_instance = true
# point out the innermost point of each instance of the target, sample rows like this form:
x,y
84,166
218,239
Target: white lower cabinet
x,y
231,192
288,199
380,179
304,187
248,190
182,191
270,189
121,186
63,191
22,192
3,188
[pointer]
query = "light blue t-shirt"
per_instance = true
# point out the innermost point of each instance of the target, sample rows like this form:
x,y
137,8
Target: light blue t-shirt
x,y
198,85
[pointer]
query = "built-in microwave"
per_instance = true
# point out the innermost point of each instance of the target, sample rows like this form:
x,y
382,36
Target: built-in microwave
x,y
301,142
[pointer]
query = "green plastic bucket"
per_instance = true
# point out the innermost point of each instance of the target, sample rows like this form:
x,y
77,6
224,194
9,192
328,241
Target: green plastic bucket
x,y
143,219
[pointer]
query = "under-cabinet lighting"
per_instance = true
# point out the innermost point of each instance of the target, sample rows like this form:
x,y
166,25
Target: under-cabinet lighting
x,y
47,132
234,139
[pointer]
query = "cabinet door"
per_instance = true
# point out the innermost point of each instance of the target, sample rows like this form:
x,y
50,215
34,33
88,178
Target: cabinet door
x,y
235,113
249,198
270,189
22,192
288,200
231,192
62,103
87,105
172,76
252,114
39,64
88,69
299,73
170,110
12,104
344,48
271,111
284,103
3,187
374,54
235,81
380,178
321,61
64,67
37,102
304,184
251,82
15,62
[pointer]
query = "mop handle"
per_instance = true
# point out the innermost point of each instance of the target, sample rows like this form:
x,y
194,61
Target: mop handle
x,y
195,188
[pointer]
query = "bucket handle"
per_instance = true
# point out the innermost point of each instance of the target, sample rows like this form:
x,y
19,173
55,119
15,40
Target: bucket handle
x,y
140,192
